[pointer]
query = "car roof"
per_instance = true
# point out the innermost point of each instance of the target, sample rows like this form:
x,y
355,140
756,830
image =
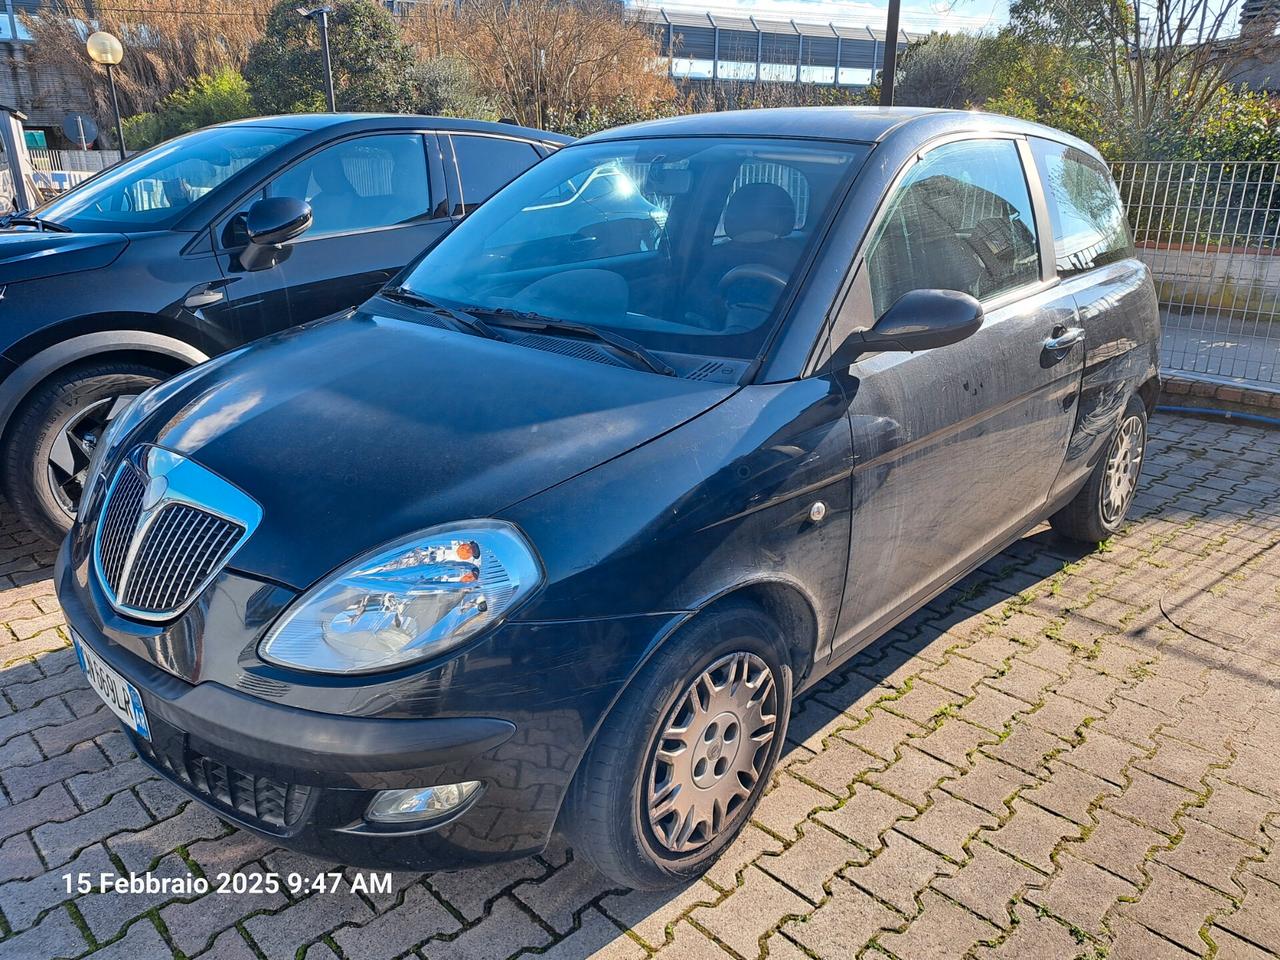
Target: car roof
x,y
851,124
311,122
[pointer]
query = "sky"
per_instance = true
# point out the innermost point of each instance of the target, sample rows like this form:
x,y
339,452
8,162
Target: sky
x,y
921,15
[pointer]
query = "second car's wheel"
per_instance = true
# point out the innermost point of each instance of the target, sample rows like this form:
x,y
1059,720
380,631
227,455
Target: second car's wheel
x,y
1098,510
679,764
52,436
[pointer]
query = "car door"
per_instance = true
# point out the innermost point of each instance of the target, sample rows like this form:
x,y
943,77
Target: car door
x,y
955,448
377,202
485,164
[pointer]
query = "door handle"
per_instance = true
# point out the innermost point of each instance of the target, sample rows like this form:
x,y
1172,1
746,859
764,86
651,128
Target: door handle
x,y
1065,340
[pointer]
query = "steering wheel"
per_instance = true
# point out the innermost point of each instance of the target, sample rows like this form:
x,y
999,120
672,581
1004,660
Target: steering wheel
x,y
751,271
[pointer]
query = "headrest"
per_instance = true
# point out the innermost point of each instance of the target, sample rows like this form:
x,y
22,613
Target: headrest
x,y
758,212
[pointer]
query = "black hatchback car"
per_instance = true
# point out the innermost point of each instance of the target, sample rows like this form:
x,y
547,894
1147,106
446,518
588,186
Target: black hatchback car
x,y
178,254
554,531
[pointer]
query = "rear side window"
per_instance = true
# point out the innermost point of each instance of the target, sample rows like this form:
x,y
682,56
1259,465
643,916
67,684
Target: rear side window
x,y
487,164
960,220
1089,227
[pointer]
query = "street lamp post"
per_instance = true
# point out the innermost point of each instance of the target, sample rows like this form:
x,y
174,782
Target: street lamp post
x,y
321,15
889,68
105,49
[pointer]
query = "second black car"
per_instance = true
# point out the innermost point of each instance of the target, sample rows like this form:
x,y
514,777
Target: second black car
x,y
182,252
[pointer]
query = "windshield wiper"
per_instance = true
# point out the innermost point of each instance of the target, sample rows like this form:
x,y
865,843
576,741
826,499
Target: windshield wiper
x,y
508,317
20,220
459,317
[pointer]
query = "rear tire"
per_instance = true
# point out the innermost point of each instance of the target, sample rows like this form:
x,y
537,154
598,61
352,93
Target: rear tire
x,y
1097,512
682,759
53,433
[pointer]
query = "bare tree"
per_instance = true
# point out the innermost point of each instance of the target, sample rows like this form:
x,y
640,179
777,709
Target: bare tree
x,y
548,63
167,45
1154,60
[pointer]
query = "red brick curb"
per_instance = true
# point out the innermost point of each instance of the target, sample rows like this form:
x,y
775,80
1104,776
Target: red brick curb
x,y
1182,391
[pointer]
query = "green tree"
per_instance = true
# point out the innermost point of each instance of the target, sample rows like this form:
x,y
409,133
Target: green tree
x,y
210,98
373,69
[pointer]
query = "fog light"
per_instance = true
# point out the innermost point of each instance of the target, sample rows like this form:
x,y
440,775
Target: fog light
x,y
420,803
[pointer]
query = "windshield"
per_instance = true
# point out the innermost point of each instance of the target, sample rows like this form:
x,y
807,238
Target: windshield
x,y
682,245
153,189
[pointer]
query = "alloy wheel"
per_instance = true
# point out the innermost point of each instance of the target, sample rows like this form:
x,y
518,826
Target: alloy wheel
x,y
1124,463
73,447
711,752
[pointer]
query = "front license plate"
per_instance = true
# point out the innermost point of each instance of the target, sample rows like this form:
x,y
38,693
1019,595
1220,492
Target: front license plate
x,y
118,693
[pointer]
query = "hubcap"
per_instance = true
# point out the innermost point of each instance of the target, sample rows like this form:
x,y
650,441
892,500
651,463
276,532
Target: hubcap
x,y
1124,463
73,448
711,752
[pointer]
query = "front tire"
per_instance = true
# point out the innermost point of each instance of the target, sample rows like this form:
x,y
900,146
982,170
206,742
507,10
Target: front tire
x,y
53,434
1097,512
682,759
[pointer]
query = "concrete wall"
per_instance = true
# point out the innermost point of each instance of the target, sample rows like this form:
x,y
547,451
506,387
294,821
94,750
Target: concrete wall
x,y
1240,280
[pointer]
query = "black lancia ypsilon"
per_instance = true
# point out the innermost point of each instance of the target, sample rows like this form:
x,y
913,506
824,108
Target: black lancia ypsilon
x,y
550,532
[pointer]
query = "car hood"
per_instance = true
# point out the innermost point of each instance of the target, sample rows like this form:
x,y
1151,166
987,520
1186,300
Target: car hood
x,y
358,430
30,254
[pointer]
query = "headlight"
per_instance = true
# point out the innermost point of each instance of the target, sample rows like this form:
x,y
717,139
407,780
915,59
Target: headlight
x,y
413,599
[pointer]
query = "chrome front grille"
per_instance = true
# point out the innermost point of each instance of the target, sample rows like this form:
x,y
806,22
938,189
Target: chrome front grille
x,y
168,528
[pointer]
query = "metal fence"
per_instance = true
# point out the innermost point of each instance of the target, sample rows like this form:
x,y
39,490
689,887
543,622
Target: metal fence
x,y
1210,232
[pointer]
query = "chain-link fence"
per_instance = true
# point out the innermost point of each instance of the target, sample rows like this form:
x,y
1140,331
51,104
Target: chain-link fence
x,y
1210,232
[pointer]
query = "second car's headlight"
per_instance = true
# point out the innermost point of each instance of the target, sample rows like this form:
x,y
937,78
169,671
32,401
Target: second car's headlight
x,y
407,601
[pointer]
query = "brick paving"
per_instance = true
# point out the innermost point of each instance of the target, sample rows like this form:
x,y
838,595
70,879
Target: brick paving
x,y
1067,755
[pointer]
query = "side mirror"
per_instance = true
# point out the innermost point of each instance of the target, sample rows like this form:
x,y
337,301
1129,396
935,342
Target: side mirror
x,y
918,320
271,224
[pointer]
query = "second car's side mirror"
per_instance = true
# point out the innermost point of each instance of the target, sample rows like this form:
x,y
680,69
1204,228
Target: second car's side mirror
x,y
271,224
918,320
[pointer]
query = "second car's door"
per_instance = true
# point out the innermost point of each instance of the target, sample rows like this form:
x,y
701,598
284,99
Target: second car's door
x,y
954,448
377,202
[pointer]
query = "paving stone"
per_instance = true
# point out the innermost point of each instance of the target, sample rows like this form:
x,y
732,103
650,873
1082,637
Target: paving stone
x,y
193,925
1258,919
21,901
843,924
19,860
836,767
1062,717
902,869
866,815
93,789
1069,792
783,809
941,930
749,846
987,883
1133,941
812,861
1231,947
56,937
107,912
953,741
751,912
390,934
649,913
278,935
58,842
989,785
992,708
141,942
1118,845
468,891
1031,835
1175,907
883,734
558,896
923,702
1208,855
137,850
1036,938
1151,801
1027,748
596,937
946,826
1103,755
229,945
912,776
501,933
53,803
1179,762
1081,894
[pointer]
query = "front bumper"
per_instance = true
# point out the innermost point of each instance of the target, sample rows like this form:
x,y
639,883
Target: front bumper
x,y
304,778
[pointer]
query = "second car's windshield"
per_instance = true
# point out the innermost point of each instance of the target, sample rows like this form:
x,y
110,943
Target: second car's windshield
x,y
683,245
153,189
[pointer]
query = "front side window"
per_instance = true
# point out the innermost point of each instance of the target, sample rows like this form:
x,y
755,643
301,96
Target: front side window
x,y
960,220
152,190
361,184
487,164
684,245
1089,228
